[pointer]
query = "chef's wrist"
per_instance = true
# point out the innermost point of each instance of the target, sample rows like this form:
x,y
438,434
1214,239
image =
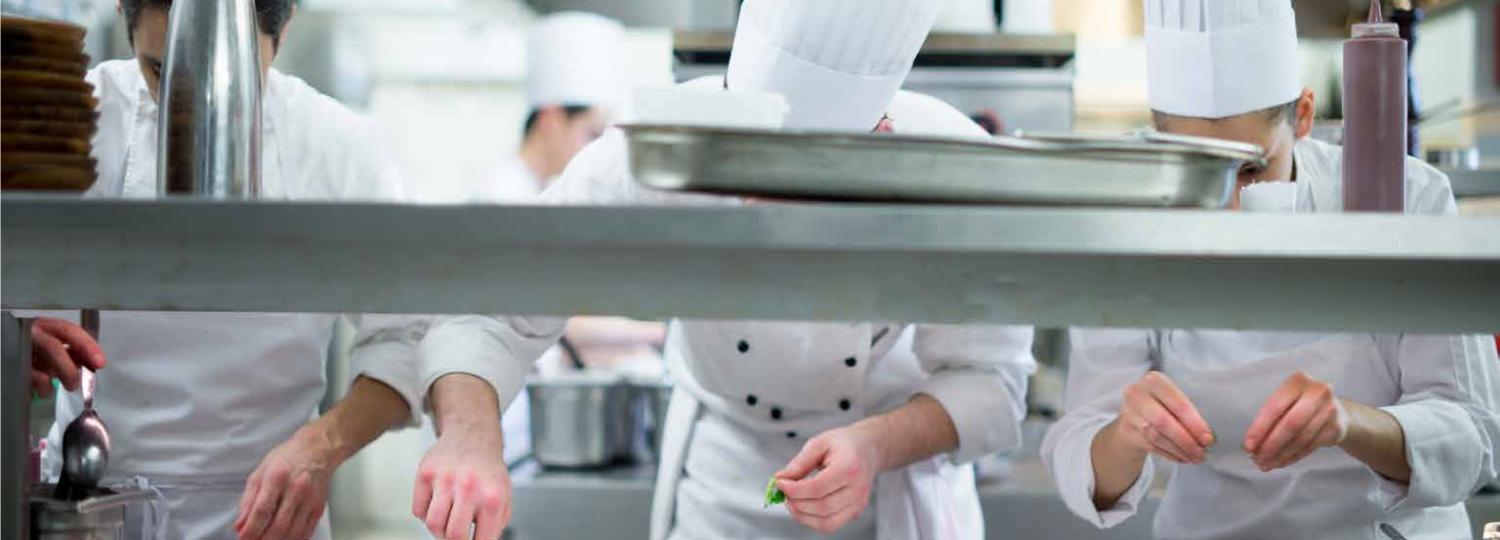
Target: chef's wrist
x,y
324,437
873,435
467,404
1111,440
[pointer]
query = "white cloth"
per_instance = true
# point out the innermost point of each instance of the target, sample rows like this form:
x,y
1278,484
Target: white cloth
x,y
978,373
575,58
196,396
837,62
1445,391
511,182
1220,58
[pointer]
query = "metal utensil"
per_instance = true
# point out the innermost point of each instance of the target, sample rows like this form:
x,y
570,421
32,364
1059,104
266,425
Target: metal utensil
x,y
580,420
86,440
1391,532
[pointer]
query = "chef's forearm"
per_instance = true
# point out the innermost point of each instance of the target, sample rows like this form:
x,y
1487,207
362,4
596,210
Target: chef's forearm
x,y
370,409
1375,438
466,404
912,432
1117,466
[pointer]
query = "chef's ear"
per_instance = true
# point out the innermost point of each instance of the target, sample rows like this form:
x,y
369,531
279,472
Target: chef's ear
x,y
1307,111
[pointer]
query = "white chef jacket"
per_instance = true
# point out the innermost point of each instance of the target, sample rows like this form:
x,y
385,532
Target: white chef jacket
x,y
1445,391
194,401
805,377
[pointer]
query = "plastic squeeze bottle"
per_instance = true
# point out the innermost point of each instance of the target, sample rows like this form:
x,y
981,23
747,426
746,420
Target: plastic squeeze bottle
x,y
1375,117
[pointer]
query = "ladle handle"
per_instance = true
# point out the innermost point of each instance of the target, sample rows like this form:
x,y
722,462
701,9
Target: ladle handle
x,y
90,321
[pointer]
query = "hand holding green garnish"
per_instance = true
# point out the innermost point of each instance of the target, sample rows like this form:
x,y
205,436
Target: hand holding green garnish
x,y
773,495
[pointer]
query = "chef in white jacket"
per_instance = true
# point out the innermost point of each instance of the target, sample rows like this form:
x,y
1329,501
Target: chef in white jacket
x,y
205,406
574,83
757,399
1276,434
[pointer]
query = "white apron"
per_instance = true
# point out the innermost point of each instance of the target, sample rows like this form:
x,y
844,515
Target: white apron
x,y
720,446
1228,398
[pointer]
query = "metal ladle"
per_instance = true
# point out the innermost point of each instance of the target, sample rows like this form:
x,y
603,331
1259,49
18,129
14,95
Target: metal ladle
x,y
85,443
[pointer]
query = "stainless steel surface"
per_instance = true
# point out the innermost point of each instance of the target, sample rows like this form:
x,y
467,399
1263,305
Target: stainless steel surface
x,y
703,14
616,503
99,516
1465,159
1116,171
1474,183
1051,267
209,117
15,433
938,43
581,421
653,399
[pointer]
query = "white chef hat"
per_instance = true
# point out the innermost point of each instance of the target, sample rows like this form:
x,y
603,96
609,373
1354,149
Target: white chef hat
x,y
575,58
1220,58
837,62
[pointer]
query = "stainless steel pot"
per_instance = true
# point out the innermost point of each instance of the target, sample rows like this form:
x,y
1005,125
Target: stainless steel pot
x,y
581,420
653,398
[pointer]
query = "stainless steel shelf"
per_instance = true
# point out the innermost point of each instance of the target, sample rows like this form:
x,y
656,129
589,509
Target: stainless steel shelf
x,y
1050,267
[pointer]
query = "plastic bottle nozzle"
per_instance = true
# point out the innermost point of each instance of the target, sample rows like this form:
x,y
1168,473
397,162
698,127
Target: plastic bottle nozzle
x,y
1375,15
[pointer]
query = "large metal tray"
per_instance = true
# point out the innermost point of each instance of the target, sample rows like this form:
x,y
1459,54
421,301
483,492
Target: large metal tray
x,y
1143,169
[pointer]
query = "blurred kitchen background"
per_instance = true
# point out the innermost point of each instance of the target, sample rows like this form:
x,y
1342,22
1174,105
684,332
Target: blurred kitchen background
x,y
444,80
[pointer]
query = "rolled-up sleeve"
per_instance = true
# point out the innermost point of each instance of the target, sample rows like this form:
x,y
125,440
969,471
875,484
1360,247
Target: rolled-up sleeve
x,y
1101,363
498,349
978,374
385,350
1449,412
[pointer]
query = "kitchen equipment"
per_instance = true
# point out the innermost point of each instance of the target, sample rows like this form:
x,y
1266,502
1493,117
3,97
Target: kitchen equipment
x,y
85,442
1142,169
209,116
652,398
1466,159
100,516
581,419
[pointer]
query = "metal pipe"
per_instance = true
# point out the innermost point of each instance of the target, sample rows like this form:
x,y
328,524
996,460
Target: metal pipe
x,y
15,408
209,119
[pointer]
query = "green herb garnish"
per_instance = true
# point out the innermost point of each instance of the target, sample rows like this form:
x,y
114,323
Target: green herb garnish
x,y
773,495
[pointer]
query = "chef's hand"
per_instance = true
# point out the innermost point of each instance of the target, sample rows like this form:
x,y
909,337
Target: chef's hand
x,y
828,483
1156,417
1300,417
463,481
286,495
58,349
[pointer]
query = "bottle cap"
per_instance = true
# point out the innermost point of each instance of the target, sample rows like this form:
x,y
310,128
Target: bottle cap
x,y
1375,25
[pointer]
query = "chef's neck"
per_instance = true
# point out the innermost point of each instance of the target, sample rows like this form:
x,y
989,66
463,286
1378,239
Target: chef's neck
x,y
535,158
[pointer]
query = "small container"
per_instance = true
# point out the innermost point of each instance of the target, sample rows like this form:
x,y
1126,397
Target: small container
x,y
100,516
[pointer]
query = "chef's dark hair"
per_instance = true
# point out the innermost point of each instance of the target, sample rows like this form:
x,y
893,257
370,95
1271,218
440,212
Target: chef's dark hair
x,y
270,15
572,111
1275,114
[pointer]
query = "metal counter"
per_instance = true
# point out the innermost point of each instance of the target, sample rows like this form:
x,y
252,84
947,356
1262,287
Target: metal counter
x,y
616,503
1049,267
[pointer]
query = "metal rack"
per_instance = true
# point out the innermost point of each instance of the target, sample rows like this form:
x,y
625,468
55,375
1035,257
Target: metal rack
x,y
1048,267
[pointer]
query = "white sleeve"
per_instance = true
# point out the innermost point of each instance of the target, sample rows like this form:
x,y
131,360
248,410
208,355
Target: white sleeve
x,y
385,350
1101,363
600,175
978,373
498,349
1450,414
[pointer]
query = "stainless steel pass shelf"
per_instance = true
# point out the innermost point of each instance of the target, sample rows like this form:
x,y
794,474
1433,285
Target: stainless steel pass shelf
x,y
1050,267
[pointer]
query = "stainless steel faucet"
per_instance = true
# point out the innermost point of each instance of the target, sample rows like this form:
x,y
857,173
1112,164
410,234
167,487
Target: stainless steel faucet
x,y
209,115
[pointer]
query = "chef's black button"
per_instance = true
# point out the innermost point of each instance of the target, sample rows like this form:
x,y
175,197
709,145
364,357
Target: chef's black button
x,y
851,362
744,346
775,413
791,434
844,404
751,400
